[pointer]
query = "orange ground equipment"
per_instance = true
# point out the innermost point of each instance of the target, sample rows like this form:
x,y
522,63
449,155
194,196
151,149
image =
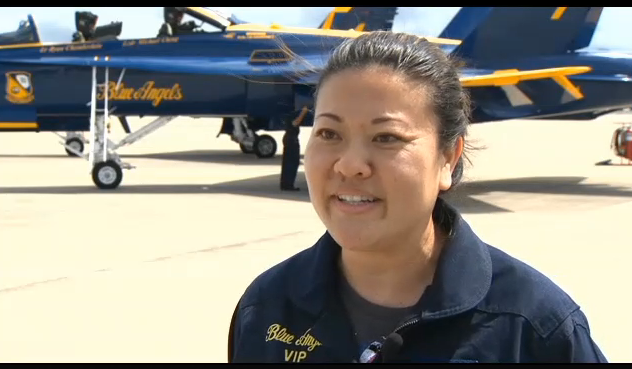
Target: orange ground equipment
x,y
622,142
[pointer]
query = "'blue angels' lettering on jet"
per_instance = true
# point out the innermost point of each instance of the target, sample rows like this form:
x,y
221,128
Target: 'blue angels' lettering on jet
x,y
149,92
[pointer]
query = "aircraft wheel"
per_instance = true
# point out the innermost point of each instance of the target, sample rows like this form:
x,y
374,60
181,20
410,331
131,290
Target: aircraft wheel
x,y
265,146
247,148
76,144
107,175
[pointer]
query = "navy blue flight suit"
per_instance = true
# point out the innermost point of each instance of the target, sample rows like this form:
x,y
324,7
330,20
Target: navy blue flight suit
x,y
291,157
483,306
291,152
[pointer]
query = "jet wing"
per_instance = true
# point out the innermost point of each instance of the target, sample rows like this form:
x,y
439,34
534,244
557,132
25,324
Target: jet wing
x,y
480,78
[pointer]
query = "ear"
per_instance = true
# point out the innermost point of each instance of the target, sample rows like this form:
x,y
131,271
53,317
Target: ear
x,y
450,158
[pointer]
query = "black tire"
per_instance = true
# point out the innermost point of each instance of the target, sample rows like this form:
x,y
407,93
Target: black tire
x,y
107,175
265,146
77,143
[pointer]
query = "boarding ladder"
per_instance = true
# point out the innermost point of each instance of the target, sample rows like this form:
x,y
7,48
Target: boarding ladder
x,y
102,156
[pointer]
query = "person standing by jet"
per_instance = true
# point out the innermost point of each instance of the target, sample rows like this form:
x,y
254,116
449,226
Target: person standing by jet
x,y
291,152
86,23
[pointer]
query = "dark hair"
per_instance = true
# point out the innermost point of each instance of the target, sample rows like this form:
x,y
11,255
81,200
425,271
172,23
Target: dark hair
x,y
420,61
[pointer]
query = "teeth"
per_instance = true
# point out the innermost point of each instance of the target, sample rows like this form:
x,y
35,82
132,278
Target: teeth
x,y
348,198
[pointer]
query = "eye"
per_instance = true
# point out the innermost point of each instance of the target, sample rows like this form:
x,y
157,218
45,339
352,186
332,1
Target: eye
x,y
326,134
387,138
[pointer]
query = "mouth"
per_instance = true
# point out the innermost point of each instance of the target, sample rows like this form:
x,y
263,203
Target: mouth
x,y
357,199
357,202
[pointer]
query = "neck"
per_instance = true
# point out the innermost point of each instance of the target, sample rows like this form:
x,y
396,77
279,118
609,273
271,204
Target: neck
x,y
394,276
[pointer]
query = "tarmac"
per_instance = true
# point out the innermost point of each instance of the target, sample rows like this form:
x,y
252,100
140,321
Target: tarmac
x,y
151,272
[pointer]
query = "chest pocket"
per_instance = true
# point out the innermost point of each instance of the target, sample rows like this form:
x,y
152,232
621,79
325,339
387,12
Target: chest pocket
x,y
293,346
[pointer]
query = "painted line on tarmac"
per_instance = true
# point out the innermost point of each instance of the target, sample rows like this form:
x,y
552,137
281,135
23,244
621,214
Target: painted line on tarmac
x,y
224,247
163,258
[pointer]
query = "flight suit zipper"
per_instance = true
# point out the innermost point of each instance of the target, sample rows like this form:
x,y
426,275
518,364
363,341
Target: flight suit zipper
x,y
407,324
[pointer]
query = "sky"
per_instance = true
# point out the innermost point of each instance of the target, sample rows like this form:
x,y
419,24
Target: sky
x,y
56,24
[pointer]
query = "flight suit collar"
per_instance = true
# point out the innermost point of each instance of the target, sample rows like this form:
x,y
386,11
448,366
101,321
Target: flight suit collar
x,y
464,272
462,278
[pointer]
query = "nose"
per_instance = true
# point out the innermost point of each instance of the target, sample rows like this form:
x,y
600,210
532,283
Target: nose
x,y
354,162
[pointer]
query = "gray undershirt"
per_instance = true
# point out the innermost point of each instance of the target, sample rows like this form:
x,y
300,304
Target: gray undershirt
x,y
370,322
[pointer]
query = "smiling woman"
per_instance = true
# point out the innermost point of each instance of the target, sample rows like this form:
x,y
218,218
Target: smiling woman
x,y
399,276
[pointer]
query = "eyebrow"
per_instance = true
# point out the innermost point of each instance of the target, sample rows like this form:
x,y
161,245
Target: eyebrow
x,y
339,120
330,116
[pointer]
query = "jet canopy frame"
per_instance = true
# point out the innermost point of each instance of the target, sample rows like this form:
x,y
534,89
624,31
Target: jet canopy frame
x,y
208,16
27,33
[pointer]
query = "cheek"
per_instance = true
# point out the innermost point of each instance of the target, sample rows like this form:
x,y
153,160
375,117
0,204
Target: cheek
x,y
410,175
316,164
402,175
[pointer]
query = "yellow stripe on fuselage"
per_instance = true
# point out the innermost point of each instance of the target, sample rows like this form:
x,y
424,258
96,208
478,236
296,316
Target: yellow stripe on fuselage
x,y
275,28
22,46
18,125
251,27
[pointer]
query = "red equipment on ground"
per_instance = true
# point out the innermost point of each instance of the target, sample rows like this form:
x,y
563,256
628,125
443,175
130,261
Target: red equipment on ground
x,y
622,142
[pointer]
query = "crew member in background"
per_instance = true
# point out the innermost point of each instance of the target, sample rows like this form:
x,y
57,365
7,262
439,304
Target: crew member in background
x,y
291,152
173,25
86,23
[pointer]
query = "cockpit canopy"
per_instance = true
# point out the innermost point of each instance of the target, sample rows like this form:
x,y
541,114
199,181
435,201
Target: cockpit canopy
x,y
25,34
86,22
175,23
210,16
108,31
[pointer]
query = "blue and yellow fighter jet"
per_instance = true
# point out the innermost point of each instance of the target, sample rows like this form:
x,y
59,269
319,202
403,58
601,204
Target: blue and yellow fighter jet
x,y
341,18
243,71
501,38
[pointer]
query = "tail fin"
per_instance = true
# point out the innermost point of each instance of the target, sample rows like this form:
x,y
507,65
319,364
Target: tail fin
x,y
360,18
492,33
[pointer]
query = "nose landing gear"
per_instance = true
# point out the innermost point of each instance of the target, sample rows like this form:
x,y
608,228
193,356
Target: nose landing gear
x,y
263,146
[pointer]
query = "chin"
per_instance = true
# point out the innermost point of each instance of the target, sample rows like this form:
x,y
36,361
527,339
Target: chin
x,y
358,238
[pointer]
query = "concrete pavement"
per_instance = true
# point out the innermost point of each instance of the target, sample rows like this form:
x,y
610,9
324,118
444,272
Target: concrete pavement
x,y
152,271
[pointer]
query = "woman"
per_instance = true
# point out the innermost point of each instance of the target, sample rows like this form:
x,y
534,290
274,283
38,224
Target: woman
x,y
399,276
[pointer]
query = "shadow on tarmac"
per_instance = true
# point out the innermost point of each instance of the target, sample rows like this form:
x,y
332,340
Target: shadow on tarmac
x,y
231,157
268,187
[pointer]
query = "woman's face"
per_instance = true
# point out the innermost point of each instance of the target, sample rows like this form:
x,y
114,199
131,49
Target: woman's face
x,y
373,163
